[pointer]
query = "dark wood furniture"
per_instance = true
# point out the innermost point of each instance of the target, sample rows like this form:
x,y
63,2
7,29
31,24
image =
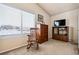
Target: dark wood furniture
x,y
42,33
60,33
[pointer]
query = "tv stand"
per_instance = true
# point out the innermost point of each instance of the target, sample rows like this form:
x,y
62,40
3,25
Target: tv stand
x,y
60,33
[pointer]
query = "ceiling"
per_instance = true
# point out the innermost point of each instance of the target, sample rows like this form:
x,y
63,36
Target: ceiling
x,y
56,8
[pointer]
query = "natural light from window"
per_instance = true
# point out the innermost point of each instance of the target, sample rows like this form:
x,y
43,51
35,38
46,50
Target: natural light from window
x,y
15,21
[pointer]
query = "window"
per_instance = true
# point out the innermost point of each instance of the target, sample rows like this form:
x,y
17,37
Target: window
x,y
28,21
14,21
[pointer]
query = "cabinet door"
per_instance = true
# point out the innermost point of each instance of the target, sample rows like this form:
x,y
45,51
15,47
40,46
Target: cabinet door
x,y
46,32
56,37
60,37
65,38
55,31
41,38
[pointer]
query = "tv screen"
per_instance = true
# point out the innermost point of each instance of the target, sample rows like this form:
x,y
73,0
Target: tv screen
x,y
60,22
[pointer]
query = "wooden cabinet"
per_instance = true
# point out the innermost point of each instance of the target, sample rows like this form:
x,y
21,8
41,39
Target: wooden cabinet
x,y
60,33
42,33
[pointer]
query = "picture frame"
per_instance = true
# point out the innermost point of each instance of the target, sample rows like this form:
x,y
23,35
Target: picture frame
x,y
40,18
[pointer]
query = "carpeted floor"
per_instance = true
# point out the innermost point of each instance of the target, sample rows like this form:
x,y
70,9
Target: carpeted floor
x,y
51,47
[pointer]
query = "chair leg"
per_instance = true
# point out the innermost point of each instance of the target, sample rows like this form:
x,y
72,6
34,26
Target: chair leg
x,y
37,46
28,46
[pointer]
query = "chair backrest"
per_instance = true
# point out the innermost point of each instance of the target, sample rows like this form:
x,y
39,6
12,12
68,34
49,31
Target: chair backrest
x,y
33,33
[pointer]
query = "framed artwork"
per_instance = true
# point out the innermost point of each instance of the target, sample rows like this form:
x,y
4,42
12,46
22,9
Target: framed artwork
x,y
40,18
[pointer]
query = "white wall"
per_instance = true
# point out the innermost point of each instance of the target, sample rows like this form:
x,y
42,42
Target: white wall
x,y
71,21
14,41
78,29
11,42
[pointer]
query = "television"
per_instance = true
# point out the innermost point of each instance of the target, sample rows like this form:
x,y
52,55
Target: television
x,y
61,22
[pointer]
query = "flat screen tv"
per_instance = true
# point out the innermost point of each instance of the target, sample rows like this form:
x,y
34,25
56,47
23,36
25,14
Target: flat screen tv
x,y
61,22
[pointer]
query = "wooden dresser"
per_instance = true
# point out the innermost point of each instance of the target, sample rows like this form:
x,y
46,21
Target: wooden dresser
x,y
42,33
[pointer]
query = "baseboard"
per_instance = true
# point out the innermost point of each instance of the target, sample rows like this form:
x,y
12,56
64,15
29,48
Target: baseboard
x,y
73,43
49,38
3,52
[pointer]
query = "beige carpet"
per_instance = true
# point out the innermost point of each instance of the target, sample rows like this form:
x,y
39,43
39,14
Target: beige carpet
x,y
51,47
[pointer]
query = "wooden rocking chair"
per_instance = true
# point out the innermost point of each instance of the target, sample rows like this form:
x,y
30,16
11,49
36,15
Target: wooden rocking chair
x,y
32,41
